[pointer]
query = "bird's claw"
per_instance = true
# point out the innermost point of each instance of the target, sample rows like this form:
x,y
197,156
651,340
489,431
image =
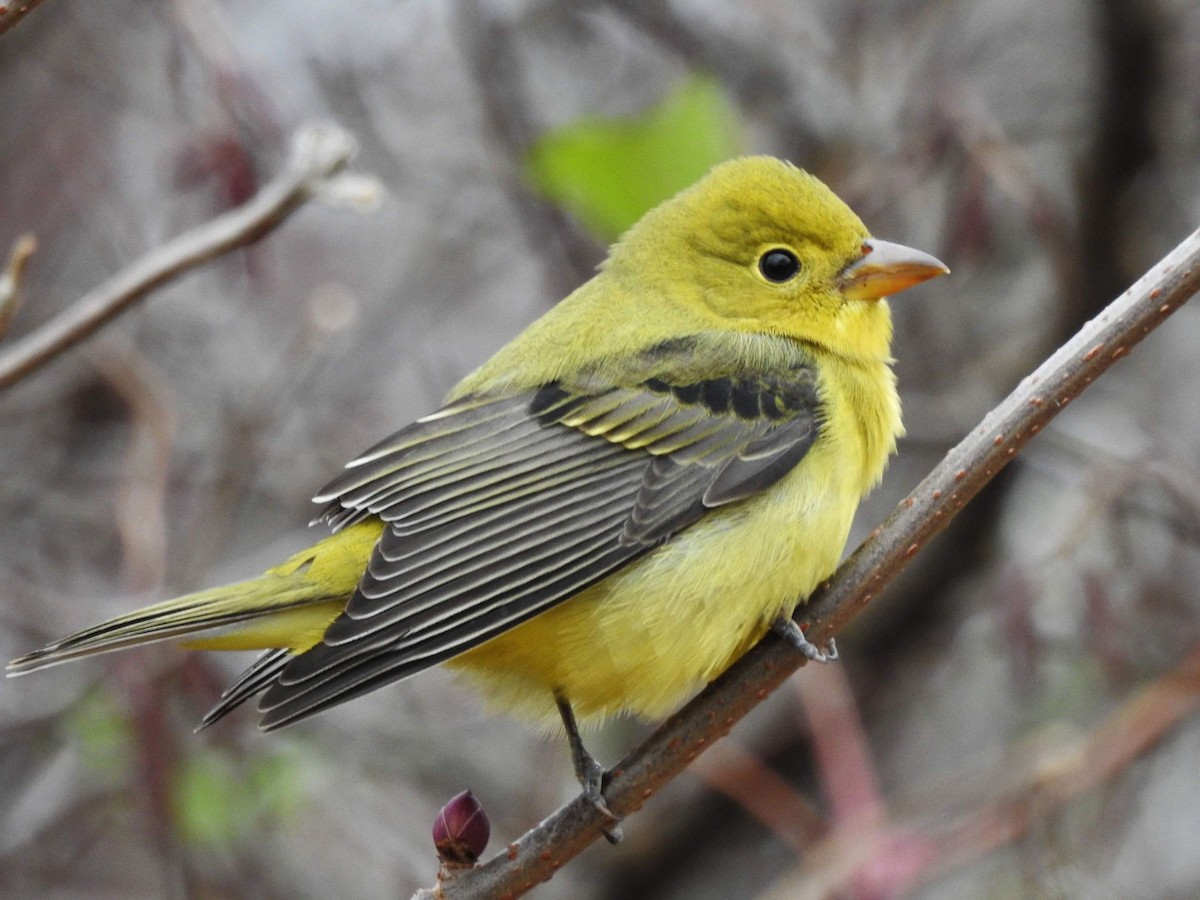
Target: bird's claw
x,y
831,650
592,780
590,773
786,628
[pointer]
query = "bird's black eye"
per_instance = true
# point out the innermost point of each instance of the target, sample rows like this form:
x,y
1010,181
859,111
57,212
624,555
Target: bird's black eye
x,y
778,265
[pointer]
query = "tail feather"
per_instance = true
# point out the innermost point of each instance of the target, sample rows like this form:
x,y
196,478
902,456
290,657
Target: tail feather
x,y
285,611
216,608
260,675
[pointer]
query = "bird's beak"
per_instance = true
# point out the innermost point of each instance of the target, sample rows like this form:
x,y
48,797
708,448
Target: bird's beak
x,y
885,269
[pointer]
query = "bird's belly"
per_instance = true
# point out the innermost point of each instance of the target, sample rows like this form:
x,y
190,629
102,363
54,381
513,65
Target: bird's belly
x,y
649,635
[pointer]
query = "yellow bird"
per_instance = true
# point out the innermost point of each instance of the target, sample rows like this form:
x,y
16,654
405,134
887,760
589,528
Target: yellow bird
x,y
619,503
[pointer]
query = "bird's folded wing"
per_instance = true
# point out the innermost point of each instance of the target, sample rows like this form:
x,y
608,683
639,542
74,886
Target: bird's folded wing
x,y
498,508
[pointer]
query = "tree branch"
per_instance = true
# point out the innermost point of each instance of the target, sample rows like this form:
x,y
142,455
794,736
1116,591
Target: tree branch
x,y
12,13
927,510
318,154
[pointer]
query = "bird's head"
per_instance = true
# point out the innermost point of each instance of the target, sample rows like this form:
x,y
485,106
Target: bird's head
x,y
762,246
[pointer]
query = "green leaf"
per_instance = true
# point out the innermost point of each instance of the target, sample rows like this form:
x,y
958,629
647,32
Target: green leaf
x,y
608,172
278,782
218,800
206,801
101,729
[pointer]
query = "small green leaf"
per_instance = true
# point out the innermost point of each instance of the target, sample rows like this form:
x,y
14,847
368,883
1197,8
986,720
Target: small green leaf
x,y
608,172
277,781
219,800
101,728
207,801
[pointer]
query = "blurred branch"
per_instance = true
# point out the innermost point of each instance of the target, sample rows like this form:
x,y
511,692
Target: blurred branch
x,y
1109,749
12,13
12,291
156,760
899,857
319,153
139,508
927,510
763,793
206,27
992,153
1125,143
566,253
841,752
746,64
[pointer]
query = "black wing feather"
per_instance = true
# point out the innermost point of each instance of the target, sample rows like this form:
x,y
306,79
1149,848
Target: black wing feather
x,y
262,673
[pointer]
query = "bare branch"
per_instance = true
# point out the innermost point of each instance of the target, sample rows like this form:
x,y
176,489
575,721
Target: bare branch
x,y
12,13
319,152
959,477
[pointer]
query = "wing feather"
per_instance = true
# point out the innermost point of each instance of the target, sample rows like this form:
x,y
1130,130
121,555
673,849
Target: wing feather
x,y
263,672
493,550
498,508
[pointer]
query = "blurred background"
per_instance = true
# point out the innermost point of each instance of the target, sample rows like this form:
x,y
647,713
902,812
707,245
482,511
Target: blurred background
x,y
1015,717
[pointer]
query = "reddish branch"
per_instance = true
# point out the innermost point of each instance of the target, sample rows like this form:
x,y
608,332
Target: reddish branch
x,y
1031,787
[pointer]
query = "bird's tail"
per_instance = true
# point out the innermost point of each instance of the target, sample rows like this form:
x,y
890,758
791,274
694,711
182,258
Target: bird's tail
x,y
289,607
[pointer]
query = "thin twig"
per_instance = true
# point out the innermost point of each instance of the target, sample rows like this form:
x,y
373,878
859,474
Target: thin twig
x,y
12,280
959,477
567,255
319,152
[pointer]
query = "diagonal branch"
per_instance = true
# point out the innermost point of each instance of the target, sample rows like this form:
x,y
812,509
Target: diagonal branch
x,y
318,154
928,509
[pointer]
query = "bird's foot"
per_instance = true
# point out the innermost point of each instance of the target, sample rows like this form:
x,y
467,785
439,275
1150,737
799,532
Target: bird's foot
x,y
786,628
589,772
592,780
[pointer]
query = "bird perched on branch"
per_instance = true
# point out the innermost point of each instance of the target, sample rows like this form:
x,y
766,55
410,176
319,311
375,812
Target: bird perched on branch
x,y
619,503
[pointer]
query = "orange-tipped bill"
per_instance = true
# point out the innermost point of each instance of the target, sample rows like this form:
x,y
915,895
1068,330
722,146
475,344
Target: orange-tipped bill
x,y
886,269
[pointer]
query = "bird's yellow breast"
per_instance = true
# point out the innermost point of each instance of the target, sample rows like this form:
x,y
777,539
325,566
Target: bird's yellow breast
x,y
644,638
